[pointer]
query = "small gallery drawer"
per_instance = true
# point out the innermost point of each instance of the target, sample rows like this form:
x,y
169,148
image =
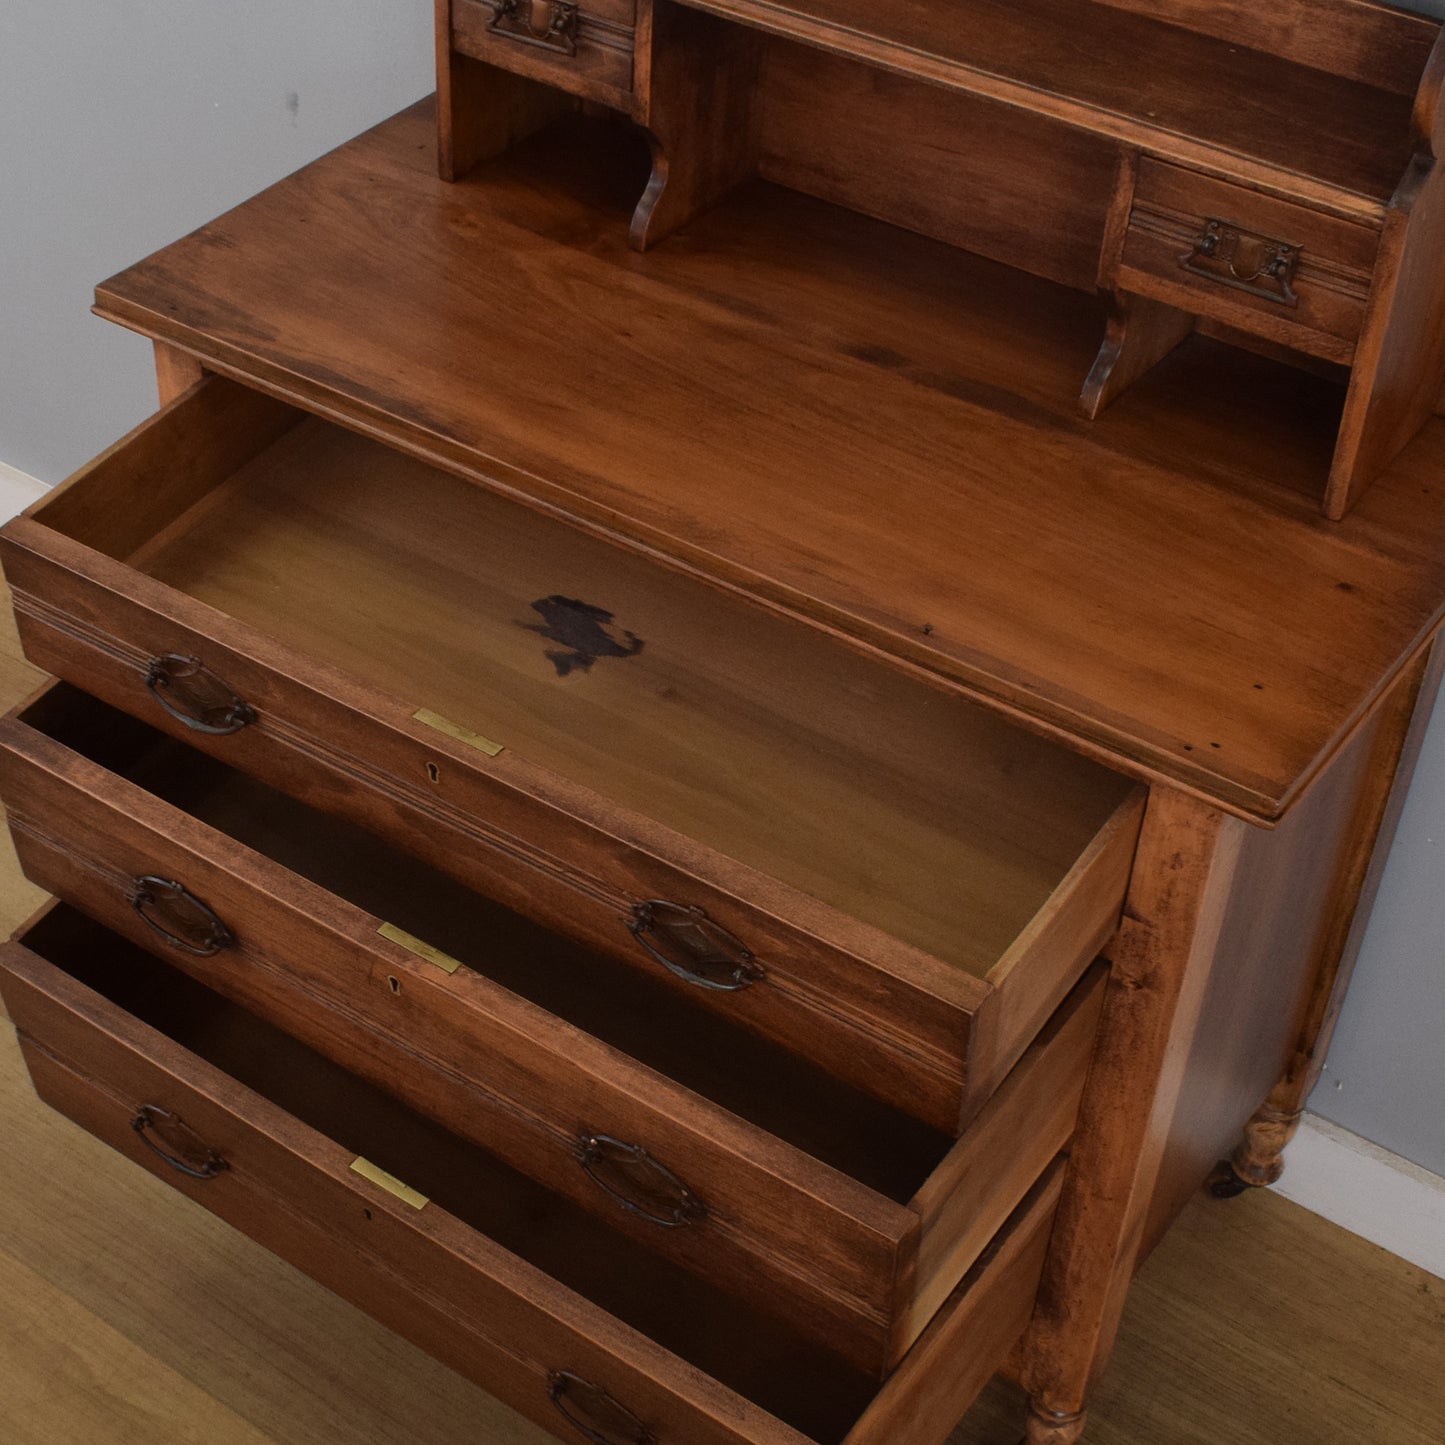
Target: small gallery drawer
x,y
585,47
846,858
574,1326
728,1154
1268,266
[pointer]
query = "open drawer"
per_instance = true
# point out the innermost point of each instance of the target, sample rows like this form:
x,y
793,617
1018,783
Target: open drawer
x,y
729,1155
834,853
574,1326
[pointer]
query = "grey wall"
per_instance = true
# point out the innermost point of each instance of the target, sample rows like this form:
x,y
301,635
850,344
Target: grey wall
x,y
125,123
1385,1077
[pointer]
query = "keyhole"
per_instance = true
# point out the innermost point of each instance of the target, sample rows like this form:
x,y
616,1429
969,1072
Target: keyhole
x,y
394,984
433,772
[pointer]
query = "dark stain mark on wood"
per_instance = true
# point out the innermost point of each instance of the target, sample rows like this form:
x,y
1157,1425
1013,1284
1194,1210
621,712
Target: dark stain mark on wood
x,y
584,631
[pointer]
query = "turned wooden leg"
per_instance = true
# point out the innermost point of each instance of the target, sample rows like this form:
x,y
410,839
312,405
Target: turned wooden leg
x,y
1052,1427
1258,1162
1163,957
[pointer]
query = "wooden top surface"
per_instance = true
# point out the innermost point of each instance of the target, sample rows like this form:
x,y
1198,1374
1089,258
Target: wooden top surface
x,y
869,429
1177,93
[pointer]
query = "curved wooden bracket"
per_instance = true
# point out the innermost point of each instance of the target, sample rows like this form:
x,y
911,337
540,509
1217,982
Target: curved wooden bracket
x,y
1141,334
696,102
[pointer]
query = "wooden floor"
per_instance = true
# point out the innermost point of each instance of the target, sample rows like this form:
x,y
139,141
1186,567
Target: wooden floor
x,y
128,1316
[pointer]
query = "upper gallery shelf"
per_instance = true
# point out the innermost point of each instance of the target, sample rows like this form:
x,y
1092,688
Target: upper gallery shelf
x,y
1341,141
1268,173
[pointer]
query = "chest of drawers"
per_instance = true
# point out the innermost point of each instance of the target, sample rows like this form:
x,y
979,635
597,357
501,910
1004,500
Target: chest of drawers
x,y
679,826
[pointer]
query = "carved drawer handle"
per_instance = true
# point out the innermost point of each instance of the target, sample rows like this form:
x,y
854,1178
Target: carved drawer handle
x,y
547,24
1245,261
698,950
194,695
169,1137
642,1186
593,1413
192,926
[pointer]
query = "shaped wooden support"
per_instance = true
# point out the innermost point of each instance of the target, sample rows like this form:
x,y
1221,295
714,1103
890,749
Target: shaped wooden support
x,y
1322,275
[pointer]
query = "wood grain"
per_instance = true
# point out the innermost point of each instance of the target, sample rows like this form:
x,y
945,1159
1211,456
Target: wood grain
x,y
1253,1308
599,70
441,1278
1183,95
851,367
1396,382
1161,966
1363,40
698,106
877,902
796,1234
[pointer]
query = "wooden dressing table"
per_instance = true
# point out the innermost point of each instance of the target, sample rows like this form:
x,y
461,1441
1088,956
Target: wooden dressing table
x,y
638,787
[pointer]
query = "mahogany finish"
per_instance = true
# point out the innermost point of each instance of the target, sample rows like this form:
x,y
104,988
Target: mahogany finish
x,y
96,802
1299,136
875,355
470,1272
638,690
992,894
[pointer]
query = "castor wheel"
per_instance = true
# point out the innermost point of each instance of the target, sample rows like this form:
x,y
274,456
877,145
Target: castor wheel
x,y
1224,1183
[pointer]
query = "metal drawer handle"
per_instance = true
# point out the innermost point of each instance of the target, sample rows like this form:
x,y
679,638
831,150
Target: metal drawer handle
x,y
593,1413
642,1186
547,24
154,898
1245,261
179,1144
194,695
701,952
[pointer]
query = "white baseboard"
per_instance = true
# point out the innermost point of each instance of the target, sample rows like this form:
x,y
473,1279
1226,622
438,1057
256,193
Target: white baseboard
x,y
1368,1191
17,491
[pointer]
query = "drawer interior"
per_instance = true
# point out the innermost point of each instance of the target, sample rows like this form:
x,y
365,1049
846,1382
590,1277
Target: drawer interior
x,y
794,1379
783,1094
864,786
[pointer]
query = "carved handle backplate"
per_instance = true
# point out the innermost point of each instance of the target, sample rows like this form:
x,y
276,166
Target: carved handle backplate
x,y
1245,261
548,24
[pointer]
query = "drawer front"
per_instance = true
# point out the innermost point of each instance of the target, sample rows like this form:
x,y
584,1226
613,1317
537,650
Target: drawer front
x,y
861,866
501,828
586,48
656,1161
1276,269
886,1018
455,1292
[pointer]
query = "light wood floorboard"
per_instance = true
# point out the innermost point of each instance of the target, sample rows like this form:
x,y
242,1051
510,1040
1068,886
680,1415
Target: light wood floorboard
x,y
129,1315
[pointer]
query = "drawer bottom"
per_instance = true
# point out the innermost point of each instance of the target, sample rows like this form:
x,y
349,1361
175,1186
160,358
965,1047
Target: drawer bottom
x,y
578,1328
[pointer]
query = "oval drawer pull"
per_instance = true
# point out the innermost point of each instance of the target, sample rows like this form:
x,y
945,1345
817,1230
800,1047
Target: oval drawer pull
x,y
195,696
593,1413
169,1137
699,951
179,917
638,1182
